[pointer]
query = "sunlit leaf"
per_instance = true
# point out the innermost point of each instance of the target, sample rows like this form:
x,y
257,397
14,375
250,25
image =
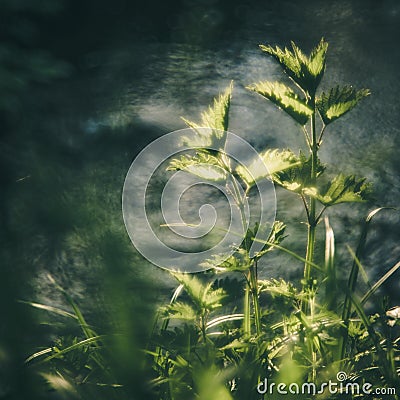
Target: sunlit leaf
x,y
280,288
216,118
275,237
264,232
202,164
238,261
268,162
285,98
297,177
203,295
208,172
306,71
316,62
342,189
180,310
286,58
338,101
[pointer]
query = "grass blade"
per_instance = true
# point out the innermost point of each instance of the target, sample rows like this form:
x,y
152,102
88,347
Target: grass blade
x,y
330,288
379,283
352,281
63,351
54,310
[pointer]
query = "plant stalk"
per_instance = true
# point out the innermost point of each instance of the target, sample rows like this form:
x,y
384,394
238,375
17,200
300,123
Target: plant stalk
x,y
254,293
251,279
246,309
312,222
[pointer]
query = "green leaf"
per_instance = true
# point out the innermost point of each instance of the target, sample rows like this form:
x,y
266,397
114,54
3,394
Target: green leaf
x,y
342,189
268,162
306,71
181,310
208,172
338,101
238,261
285,98
216,118
273,236
203,165
276,236
278,288
297,177
201,294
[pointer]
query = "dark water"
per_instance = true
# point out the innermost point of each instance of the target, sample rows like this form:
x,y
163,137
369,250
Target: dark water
x,y
135,86
145,87
88,86
148,69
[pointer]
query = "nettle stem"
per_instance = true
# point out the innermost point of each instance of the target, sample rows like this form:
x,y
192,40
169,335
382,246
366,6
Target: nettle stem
x,y
247,311
203,327
311,213
254,295
251,276
308,303
251,296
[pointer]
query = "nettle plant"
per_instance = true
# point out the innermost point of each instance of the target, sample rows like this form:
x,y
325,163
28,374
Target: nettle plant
x,y
207,346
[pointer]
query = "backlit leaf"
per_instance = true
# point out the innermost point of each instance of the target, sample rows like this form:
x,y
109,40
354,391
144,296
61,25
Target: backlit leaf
x,y
338,101
306,71
201,294
207,172
268,162
297,177
342,189
264,232
276,236
181,311
216,118
278,288
203,165
285,98
238,261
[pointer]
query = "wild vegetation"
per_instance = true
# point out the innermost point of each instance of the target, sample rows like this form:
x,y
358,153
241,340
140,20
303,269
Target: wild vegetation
x,y
221,336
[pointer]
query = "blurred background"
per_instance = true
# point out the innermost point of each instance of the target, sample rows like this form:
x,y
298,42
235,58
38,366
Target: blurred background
x,y
85,85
